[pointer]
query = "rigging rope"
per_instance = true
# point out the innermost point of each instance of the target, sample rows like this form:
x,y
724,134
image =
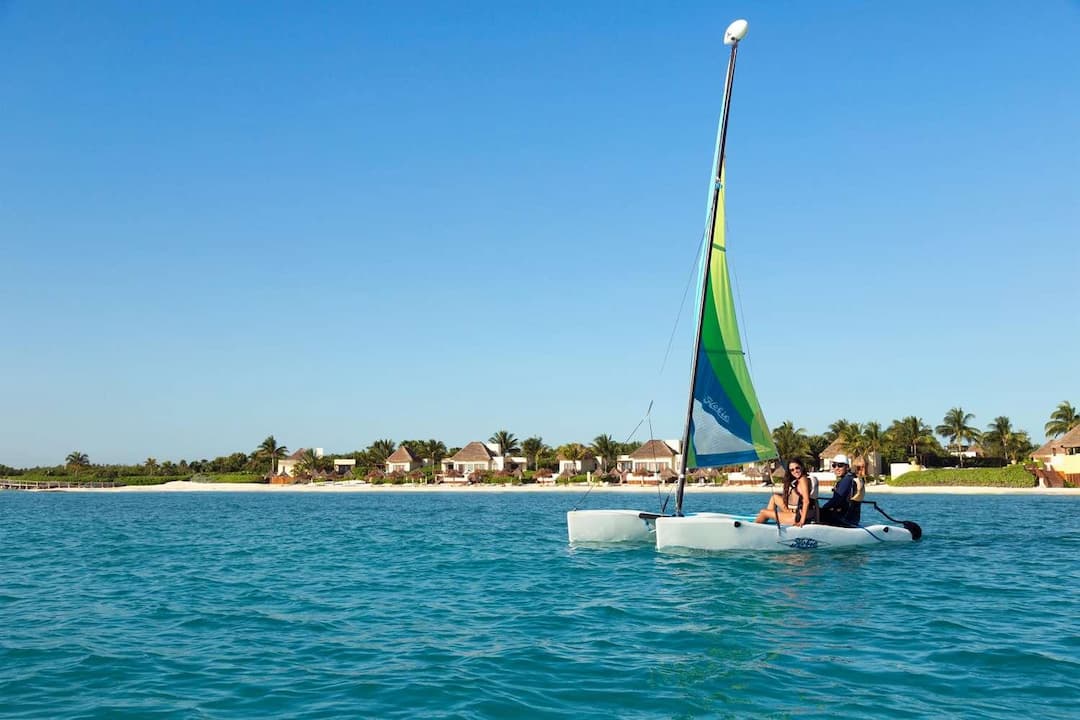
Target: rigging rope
x,y
663,365
648,414
682,303
659,496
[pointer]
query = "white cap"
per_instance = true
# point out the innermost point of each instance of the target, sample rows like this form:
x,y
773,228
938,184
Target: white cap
x,y
841,459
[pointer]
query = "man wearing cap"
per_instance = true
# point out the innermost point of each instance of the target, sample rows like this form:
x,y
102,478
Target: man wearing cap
x,y
841,510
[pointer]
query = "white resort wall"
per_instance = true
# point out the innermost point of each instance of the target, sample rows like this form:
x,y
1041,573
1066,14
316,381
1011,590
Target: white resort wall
x,y
898,469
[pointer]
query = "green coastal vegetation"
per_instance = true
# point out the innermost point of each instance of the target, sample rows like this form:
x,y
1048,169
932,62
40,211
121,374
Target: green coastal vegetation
x,y
992,457
1008,476
261,463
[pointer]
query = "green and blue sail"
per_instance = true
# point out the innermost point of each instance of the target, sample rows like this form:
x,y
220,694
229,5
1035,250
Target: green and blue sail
x,y
726,423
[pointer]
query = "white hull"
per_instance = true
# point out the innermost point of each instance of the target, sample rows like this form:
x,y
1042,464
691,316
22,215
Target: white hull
x,y
718,531
609,526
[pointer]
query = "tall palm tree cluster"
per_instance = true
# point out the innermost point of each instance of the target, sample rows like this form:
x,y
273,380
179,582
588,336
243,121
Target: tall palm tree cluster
x,y
910,437
538,453
373,458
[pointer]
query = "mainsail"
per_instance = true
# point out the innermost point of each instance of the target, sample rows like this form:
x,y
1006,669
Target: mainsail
x,y
726,425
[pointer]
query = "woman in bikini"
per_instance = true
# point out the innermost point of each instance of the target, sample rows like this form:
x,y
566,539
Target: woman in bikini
x,y
794,505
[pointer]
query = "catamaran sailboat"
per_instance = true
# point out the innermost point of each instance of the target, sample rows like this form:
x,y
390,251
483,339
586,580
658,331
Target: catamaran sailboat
x,y
724,423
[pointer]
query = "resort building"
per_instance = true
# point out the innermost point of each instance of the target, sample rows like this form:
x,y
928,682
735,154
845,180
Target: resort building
x,y
481,457
1062,455
403,460
874,465
577,467
473,457
508,463
967,451
655,461
287,466
344,466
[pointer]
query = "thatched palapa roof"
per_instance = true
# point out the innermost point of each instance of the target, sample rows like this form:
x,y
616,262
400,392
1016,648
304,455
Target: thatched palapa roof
x,y
403,455
654,449
473,452
835,448
1071,439
1047,449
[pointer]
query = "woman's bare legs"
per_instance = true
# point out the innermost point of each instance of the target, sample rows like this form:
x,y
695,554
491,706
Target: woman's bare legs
x,y
774,508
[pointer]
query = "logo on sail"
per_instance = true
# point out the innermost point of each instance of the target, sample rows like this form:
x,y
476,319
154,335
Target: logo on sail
x,y
711,437
717,409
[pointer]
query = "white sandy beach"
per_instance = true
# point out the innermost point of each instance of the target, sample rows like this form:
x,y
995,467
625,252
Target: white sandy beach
x,y
346,487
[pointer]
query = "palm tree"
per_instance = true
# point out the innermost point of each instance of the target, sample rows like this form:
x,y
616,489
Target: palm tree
x,y
837,428
76,461
817,445
546,456
573,451
269,450
1011,443
790,442
532,447
875,440
957,429
1021,446
855,442
433,449
508,444
309,464
606,449
1062,420
999,436
911,432
151,466
378,451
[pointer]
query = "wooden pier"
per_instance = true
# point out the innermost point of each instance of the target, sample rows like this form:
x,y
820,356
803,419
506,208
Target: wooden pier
x,y
16,484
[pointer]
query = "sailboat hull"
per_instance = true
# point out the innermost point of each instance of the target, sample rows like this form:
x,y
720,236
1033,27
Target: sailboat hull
x,y
609,526
716,531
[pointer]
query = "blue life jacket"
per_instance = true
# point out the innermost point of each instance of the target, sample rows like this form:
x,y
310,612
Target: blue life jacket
x,y
840,508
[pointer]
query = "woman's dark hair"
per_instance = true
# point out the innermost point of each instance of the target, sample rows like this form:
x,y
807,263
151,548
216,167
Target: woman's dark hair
x,y
789,479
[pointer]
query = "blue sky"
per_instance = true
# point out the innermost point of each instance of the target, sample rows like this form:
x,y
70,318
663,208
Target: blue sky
x,y
343,222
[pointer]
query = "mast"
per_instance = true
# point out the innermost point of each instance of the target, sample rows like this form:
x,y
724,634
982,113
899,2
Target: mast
x,y
735,32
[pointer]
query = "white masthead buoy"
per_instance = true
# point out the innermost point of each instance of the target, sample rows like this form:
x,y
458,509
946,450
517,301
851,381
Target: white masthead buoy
x,y
735,32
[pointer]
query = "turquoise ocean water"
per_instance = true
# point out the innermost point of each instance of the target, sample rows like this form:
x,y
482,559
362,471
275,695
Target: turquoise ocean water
x,y
442,605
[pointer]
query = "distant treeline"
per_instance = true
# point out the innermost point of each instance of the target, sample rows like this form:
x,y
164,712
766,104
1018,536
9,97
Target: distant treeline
x,y
908,439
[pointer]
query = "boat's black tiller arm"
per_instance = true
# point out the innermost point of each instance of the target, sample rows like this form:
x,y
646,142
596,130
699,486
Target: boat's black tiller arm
x,y
910,526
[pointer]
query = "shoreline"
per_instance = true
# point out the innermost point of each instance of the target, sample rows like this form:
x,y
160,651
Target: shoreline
x,y
187,486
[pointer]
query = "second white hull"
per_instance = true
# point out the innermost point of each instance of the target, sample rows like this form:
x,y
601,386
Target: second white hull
x,y
609,526
717,531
